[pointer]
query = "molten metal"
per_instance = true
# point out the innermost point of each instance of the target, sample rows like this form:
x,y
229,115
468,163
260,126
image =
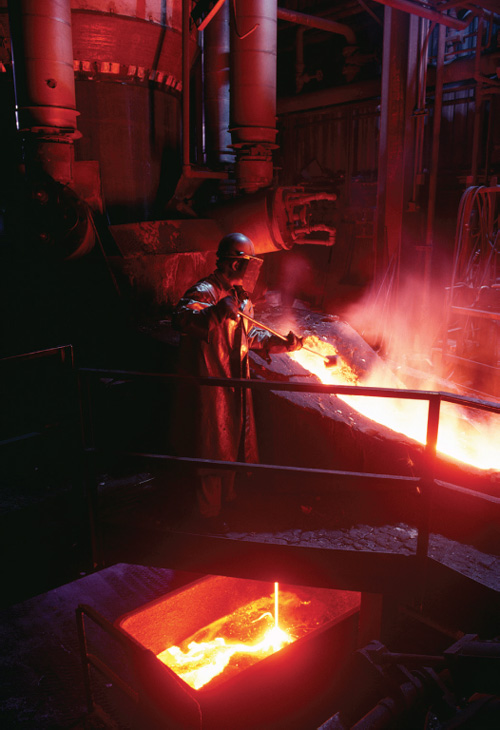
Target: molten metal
x,y
207,657
472,441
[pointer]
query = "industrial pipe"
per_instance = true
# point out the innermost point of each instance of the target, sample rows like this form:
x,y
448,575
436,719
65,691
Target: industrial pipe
x,y
253,91
42,50
312,21
216,53
436,130
186,86
44,81
274,219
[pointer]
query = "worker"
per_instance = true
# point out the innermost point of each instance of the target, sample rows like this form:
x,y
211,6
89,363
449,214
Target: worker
x,y
218,422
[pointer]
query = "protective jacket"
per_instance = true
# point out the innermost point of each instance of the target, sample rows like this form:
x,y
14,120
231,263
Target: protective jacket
x,y
217,422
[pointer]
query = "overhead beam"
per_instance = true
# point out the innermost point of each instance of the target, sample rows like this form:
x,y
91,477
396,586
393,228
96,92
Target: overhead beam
x,y
423,11
313,21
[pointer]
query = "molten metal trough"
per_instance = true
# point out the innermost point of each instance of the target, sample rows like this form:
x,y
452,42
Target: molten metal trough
x,y
389,432
280,649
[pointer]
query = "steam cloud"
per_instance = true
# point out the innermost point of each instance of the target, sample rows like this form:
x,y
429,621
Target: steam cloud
x,y
402,326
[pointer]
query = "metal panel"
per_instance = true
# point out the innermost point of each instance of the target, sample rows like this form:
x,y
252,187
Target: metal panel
x,y
133,131
339,138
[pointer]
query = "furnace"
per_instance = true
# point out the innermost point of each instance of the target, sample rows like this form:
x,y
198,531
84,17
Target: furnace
x,y
291,687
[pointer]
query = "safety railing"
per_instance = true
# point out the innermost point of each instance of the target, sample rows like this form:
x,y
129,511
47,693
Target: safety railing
x,y
63,355
91,661
425,481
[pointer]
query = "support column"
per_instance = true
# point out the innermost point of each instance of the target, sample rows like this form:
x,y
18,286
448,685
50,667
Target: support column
x,y
370,618
433,177
391,168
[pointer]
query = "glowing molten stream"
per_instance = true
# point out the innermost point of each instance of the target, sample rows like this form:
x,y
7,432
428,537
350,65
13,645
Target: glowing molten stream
x,y
464,434
204,660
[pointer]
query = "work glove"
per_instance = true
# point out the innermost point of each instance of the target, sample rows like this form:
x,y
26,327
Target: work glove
x,y
227,308
293,342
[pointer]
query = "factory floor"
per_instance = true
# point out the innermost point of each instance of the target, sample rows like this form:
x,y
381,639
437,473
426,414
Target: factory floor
x,y
43,678
282,515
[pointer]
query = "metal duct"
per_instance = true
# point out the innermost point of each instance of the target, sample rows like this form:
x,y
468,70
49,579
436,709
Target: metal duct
x,y
44,79
253,90
43,64
275,219
216,49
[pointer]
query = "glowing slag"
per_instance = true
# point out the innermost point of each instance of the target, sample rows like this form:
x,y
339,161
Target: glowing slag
x,y
471,441
204,660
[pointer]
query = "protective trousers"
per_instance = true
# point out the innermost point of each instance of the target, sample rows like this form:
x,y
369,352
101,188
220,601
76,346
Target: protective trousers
x,y
214,489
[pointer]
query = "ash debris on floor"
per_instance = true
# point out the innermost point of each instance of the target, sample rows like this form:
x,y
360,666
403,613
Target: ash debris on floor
x,y
328,521
44,687
43,679
399,538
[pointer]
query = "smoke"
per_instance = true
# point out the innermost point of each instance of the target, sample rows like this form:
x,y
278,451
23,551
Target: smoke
x,y
296,278
403,325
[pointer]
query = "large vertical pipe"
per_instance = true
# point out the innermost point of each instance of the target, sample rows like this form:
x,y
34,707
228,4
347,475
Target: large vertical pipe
x,y
44,81
390,191
253,90
433,178
478,106
216,49
186,86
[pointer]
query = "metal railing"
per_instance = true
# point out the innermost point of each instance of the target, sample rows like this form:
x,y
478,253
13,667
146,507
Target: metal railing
x,y
63,353
425,481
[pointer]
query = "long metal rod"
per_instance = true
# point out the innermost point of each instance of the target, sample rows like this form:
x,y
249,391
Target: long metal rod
x,y
482,313
278,334
40,353
387,481
216,6
266,327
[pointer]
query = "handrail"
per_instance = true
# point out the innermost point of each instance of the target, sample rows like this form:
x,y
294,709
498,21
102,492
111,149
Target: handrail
x,y
65,353
425,482
254,466
360,390
40,353
91,660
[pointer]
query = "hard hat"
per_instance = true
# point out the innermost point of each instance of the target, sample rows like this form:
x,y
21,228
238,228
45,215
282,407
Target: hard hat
x,y
236,246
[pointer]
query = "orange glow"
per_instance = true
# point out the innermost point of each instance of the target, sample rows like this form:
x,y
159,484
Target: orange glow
x,y
230,644
464,434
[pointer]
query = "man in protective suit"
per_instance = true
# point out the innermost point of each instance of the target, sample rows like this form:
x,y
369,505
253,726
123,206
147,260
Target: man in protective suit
x,y
218,422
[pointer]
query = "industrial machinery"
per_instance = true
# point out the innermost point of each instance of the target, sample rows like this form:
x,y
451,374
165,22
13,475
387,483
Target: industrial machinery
x,y
345,139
